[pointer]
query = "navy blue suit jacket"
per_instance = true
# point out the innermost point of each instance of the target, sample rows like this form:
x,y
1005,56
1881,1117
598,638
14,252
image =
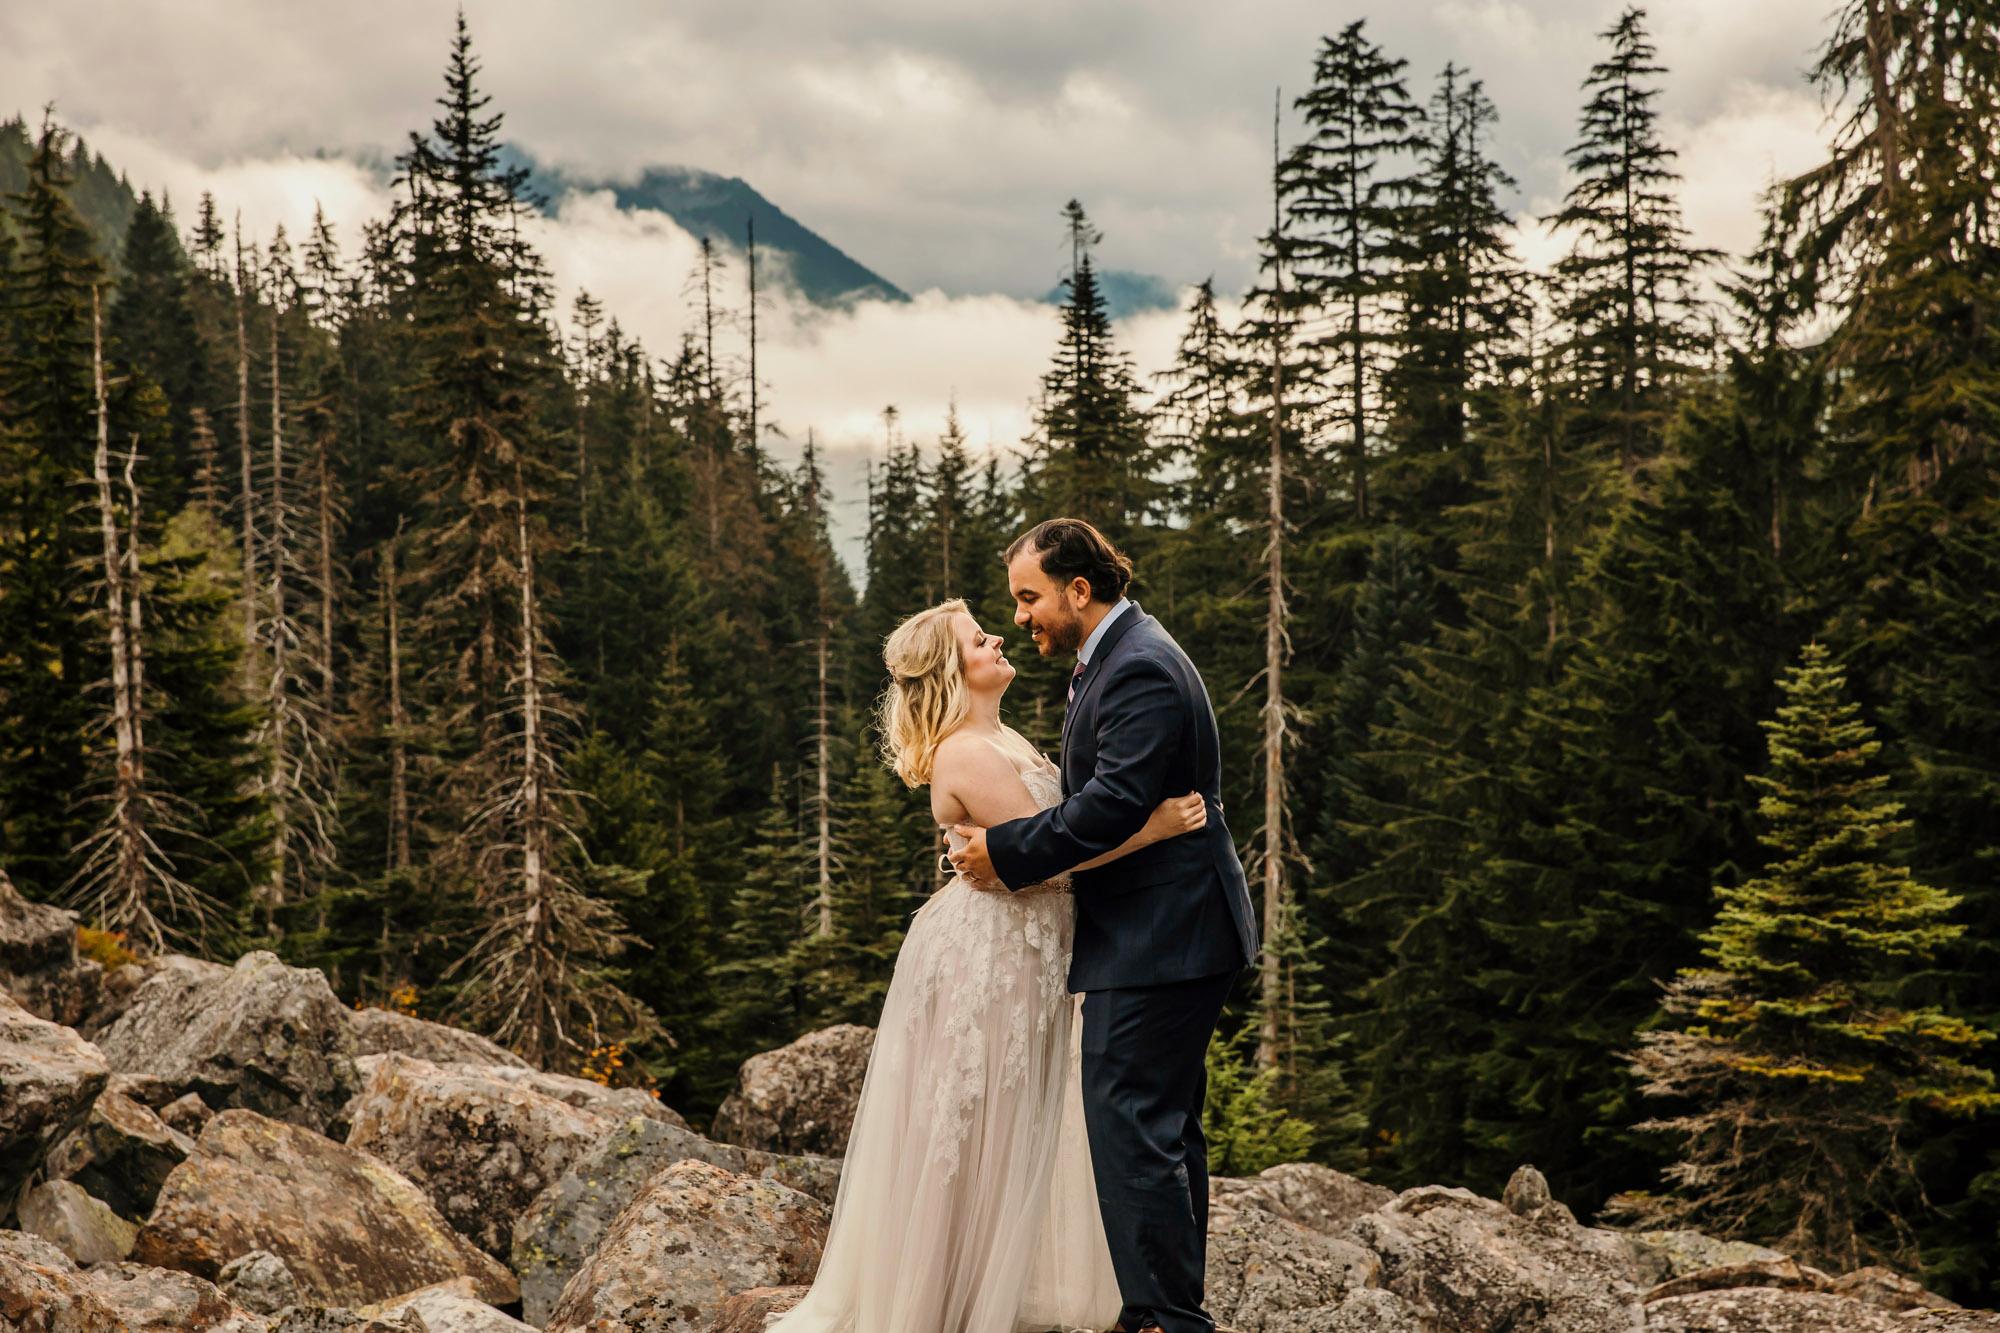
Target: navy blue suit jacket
x,y
1140,730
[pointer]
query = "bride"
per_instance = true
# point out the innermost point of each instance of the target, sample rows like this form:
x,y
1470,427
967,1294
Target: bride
x,y
967,1204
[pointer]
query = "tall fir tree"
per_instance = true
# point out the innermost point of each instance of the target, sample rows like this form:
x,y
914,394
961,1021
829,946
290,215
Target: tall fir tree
x,y
1346,190
1628,292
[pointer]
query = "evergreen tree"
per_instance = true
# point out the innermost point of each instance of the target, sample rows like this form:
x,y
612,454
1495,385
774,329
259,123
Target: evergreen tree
x,y
1090,455
1346,190
760,977
1463,307
1797,1054
49,650
153,330
1628,292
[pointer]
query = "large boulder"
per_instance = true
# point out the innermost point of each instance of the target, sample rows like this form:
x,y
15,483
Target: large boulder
x,y
1888,1290
611,1103
85,1229
259,1281
1467,1263
696,1236
1261,1267
566,1221
481,1148
799,1098
1318,1198
1767,1310
38,962
49,1076
1660,1255
1363,1310
383,1031
122,1153
350,1227
261,1036
748,1311
448,1307
148,1299
43,1291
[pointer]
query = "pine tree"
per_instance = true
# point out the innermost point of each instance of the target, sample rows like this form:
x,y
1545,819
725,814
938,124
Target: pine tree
x,y
1089,455
760,976
1462,310
1628,282
1797,1054
49,649
1346,189
152,329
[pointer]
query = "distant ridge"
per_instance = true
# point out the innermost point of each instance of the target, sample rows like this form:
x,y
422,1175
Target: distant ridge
x,y
706,204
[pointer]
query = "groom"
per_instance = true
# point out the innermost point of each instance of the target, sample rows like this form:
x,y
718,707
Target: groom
x,y
1160,934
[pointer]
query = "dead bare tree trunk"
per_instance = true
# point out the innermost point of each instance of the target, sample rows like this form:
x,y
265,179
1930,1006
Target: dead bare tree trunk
x,y
750,244
207,484
247,498
1269,966
399,763
324,540
280,684
822,747
122,871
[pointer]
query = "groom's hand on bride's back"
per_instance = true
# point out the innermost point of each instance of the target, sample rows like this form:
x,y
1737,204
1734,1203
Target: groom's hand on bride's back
x,y
972,860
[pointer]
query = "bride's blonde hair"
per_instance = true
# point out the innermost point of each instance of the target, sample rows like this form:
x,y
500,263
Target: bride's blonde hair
x,y
926,700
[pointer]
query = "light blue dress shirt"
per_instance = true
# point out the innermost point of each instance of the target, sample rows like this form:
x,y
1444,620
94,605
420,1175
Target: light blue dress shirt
x,y
1090,644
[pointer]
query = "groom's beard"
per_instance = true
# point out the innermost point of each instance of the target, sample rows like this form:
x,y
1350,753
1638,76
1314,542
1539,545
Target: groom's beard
x,y
1062,637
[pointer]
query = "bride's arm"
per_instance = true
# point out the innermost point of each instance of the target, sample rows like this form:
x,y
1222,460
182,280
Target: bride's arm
x,y
1170,818
976,779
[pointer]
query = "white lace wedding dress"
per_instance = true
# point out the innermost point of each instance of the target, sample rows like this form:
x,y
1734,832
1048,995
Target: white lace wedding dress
x,y
966,1204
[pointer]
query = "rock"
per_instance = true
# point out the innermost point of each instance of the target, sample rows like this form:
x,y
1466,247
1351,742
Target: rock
x,y
748,1311
1261,1266
117,986
1527,1195
350,1228
49,1076
187,1114
611,1103
1888,1290
262,1036
38,962
799,1098
340,1319
259,1282
1659,1255
448,1307
122,1153
482,1149
85,1229
564,1224
1363,1310
1462,1262
1318,1198
42,1291
696,1236
382,1031
1767,1310
1783,1271
159,1299
1950,1321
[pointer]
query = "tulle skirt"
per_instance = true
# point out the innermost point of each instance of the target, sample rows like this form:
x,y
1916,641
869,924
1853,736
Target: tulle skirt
x,y
967,1204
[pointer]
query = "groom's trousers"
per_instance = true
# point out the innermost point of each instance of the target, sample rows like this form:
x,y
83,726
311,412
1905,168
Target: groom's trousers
x,y
1144,1078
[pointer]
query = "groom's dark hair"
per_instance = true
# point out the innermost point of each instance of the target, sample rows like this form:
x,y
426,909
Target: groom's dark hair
x,y
1071,548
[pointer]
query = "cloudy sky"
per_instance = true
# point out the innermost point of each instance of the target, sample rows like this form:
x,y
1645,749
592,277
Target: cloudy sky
x,y
933,140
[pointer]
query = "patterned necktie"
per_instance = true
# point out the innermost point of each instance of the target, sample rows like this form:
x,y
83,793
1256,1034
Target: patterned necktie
x,y
1072,681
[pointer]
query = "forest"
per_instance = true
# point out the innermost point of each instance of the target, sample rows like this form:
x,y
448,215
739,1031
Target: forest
x,y
1608,658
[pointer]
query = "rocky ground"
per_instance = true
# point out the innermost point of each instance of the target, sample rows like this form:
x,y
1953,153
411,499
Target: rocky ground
x,y
187,1146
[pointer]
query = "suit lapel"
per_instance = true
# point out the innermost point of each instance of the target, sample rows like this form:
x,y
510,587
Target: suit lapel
x,y
1112,636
